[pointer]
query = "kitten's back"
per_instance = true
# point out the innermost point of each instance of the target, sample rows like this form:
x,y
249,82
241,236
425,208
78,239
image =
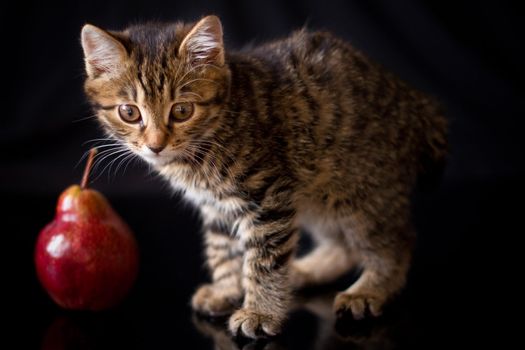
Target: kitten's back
x,y
354,107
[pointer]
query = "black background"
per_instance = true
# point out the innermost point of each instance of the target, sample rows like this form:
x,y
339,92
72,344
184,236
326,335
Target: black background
x,y
468,54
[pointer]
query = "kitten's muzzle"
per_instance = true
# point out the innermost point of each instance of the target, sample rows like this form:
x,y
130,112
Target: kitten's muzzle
x,y
156,148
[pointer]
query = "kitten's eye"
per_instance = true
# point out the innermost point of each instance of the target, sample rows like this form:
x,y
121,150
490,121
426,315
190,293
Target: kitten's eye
x,y
181,111
129,113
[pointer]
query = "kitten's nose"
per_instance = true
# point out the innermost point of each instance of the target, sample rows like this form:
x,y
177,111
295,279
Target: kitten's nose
x,y
156,149
156,139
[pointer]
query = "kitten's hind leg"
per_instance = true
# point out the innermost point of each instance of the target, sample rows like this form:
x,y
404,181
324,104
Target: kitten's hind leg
x,y
385,258
328,261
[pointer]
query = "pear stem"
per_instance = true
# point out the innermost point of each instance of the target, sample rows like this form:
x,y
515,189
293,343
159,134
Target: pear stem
x,y
87,169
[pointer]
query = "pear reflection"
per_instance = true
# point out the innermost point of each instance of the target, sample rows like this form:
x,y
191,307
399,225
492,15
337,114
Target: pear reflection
x,y
82,331
313,325
65,333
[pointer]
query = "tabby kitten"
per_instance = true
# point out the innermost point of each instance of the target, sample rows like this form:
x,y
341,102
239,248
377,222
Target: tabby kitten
x,y
304,132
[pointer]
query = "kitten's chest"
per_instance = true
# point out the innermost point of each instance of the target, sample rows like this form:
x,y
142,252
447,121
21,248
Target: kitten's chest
x,y
222,198
200,196
228,205
201,191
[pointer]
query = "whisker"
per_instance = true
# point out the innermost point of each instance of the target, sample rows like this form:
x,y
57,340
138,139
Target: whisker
x,y
230,111
227,152
117,152
131,160
194,69
197,79
109,145
110,164
192,93
214,172
85,118
98,154
100,139
198,145
130,154
108,153
82,158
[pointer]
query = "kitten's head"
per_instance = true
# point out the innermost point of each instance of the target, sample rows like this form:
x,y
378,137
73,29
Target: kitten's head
x,y
157,88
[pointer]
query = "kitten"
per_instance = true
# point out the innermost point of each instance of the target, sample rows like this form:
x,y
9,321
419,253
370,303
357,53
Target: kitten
x,y
304,132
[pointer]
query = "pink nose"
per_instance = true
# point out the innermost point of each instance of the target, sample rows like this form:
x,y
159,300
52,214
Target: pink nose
x,y
156,149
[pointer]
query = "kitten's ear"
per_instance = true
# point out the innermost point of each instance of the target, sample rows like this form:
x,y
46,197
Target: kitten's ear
x,y
203,44
103,53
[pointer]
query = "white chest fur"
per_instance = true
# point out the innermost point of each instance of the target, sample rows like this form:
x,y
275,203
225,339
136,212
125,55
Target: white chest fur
x,y
201,193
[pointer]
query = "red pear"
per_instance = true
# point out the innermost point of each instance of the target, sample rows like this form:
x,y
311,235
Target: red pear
x,y
87,257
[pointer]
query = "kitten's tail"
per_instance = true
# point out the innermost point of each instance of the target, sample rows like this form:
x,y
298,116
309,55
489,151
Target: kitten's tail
x,y
434,148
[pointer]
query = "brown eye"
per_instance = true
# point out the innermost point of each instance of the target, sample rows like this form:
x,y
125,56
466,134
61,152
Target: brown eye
x,y
129,113
181,111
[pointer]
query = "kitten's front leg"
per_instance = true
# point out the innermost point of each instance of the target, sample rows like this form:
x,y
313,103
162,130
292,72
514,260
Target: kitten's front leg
x,y
269,241
224,259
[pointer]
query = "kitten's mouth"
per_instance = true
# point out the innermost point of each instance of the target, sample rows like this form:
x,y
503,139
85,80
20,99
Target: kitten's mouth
x,y
154,159
165,159
183,154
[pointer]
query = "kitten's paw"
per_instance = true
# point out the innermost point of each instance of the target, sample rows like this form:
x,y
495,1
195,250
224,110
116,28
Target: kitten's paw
x,y
358,305
253,324
214,301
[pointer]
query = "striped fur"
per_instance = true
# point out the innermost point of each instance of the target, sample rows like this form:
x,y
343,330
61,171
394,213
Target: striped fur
x,y
303,132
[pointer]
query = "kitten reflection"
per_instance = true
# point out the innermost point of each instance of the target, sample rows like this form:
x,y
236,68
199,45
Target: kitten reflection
x,y
313,322
344,332
215,328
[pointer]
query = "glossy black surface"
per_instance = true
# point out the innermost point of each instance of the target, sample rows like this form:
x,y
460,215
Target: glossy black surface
x,y
443,301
